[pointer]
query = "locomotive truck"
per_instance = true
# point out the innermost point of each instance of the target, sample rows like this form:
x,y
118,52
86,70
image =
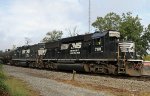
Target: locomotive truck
x,y
98,52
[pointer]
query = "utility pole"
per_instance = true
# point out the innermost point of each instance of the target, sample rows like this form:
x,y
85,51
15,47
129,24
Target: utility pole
x,y
89,16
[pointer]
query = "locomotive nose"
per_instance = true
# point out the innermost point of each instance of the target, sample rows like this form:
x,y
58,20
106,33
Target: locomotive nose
x,y
127,47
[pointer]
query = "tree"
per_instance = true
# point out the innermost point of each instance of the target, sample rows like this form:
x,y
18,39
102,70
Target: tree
x,y
72,31
145,40
13,47
109,22
130,28
27,40
52,36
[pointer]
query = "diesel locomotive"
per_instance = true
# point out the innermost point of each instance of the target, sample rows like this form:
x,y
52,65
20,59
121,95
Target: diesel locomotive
x,y
98,52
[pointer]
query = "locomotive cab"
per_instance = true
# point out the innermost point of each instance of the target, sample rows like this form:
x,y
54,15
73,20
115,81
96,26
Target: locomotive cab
x,y
105,43
117,56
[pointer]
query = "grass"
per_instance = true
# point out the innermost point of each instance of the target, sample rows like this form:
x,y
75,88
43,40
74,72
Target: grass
x,y
147,58
17,87
3,87
12,86
144,94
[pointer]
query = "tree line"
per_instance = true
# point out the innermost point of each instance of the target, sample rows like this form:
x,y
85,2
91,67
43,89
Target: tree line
x,y
129,26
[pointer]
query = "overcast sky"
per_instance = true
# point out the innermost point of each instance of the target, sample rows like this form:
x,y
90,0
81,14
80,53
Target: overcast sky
x,y
34,18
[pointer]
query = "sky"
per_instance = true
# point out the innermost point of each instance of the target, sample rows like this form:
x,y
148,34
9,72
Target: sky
x,y
34,18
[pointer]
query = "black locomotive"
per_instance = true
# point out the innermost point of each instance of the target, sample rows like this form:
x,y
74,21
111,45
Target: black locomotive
x,y
99,52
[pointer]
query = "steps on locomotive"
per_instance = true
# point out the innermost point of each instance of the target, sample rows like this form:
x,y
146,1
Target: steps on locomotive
x,y
121,71
121,67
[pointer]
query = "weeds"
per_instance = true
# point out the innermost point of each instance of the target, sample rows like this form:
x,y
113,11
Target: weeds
x,y
3,87
10,86
16,87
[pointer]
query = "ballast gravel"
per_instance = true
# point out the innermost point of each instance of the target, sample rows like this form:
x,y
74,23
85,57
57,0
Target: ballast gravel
x,y
51,83
48,87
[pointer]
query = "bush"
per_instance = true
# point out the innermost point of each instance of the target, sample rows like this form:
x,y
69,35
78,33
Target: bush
x,y
2,76
3,87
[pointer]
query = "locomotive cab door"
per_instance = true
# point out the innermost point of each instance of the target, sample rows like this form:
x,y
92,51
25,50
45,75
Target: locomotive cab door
x,y
97,48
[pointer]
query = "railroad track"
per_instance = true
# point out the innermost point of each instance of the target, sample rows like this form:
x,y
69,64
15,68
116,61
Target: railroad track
x,y
139,78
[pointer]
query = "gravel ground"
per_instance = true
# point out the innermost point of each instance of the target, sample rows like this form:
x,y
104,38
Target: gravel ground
x,y
51,83
48,87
